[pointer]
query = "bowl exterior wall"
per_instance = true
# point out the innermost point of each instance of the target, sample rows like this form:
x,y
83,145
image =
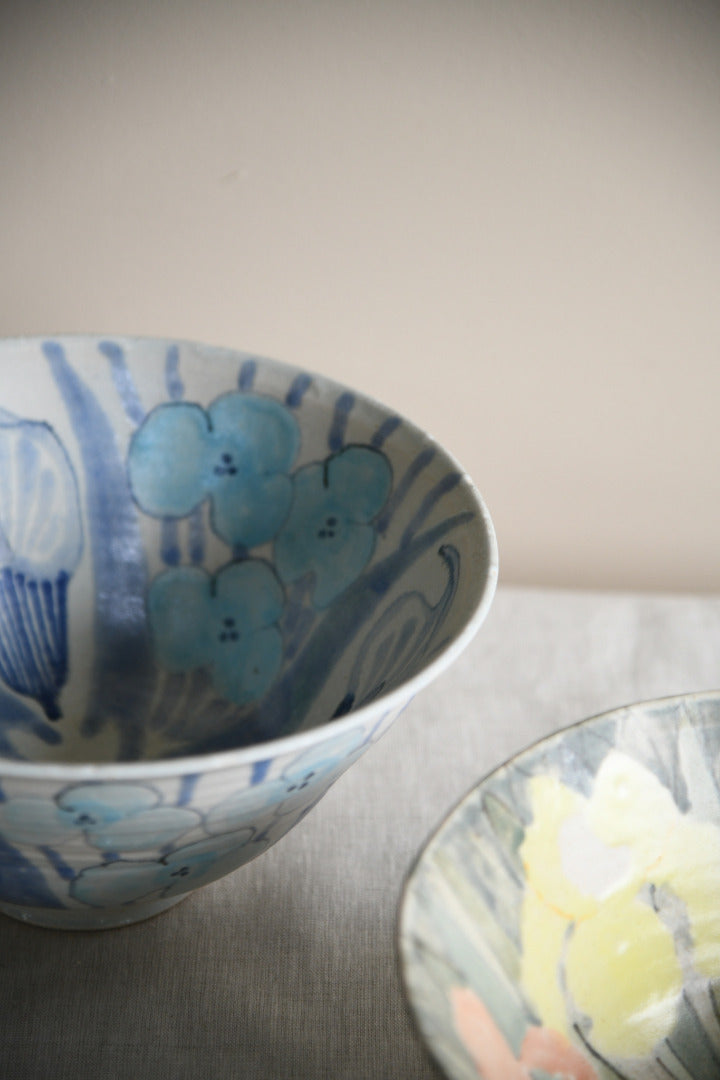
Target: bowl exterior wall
x,y
89,855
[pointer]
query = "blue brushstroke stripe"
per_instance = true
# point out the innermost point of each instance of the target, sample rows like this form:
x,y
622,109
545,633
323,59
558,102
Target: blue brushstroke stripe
x,y
123,381
53,616
385,430
14,713
246,377
173,381
169,542
10,660
29,681
33,647
187,788
48,647
58,864
426,507
300,385
41,656
61,590
400,493
196,536
123,671
343,407
21,882
260,770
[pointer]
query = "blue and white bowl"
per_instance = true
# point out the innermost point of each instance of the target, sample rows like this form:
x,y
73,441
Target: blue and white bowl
x,y
221,579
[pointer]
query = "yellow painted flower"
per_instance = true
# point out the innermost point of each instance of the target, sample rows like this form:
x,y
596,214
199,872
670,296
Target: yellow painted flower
x,y
623,973
619,905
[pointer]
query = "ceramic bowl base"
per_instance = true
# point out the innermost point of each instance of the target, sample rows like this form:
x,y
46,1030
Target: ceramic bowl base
x,y
97,919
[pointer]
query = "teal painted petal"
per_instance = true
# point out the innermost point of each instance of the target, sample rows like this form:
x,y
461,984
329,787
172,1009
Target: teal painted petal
x,y
169,460
127,881
297,547
253,444
244,670
326,760
35,821
143,831
237,453
312,772
180,611
250,592
360,479
247,807
248,508
117,883
267,432
205,861
93,805
339,568
226,624
328,531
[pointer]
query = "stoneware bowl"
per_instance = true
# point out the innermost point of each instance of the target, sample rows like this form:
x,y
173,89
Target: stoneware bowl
x,y
221,578
564,921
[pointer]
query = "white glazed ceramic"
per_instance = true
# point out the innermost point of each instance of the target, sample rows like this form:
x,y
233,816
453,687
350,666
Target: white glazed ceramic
x,y
221,578
564,920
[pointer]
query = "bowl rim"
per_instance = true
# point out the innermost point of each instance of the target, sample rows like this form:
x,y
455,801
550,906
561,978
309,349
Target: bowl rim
x,y
434,839
284,745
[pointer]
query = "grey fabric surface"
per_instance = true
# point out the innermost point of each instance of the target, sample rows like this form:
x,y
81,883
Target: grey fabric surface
x,y
288,967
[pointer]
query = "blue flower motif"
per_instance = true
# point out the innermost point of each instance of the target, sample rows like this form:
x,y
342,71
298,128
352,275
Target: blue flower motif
x,y
126,881
226,624
303,781
112,817
237,454
328,531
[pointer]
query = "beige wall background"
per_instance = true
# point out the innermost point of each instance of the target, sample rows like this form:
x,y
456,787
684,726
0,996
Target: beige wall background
x,y
501,217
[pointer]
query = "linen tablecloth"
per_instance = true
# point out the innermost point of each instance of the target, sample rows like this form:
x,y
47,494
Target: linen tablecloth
x,y
288,967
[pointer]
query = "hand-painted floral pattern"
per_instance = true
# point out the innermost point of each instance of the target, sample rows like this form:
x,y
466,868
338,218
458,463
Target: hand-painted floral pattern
x,y
563,921
329,531
126,881
302,782
542,1051
169,644
41,543
237,454
111,817
226,623
612,915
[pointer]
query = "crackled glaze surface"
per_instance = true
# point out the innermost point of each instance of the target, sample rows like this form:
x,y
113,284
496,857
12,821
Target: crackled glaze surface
x,y
204,553
564,920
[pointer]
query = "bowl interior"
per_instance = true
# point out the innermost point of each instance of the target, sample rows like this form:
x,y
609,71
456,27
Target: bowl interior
x,y
564,919
201,550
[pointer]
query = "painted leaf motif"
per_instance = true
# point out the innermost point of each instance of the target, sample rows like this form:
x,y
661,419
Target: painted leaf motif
x,y
41,543
40,522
